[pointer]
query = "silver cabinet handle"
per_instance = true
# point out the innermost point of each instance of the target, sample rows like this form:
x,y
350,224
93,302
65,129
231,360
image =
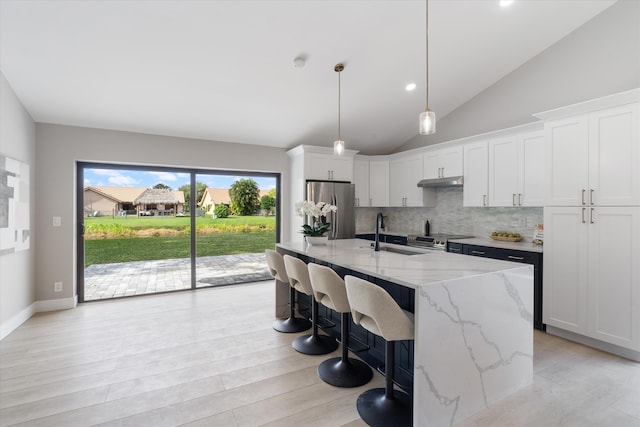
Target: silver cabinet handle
x,y
519,199
513,199
583,191
591,216
517,258
357,202
484,200
583,220
591,196
478,252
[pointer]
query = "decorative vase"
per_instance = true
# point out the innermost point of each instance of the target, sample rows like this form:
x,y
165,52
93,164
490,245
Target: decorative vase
x,y
317,240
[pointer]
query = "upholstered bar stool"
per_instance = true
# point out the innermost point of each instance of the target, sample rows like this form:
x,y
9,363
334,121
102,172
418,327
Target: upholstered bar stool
x,y
292,323
329,290
376,311
299,279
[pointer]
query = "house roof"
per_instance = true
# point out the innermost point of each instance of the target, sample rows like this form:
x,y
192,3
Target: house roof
x,y
130,194
221,195
158,195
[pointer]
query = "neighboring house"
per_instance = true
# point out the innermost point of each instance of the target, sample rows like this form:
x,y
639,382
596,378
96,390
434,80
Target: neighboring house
x,y
104,200
216,196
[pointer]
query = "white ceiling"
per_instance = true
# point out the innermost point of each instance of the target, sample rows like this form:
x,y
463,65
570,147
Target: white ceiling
x,y
223,70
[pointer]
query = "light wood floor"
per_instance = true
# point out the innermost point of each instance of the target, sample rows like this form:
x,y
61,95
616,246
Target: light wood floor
x,y
211,358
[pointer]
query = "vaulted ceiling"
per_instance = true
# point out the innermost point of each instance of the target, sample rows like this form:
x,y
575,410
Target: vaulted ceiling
x,y
224,70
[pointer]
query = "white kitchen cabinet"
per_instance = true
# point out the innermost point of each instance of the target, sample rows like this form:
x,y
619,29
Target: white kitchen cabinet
x,y
476,174
593,158
328,167
516,170
443,162
591,272
361,180
404,175
379,182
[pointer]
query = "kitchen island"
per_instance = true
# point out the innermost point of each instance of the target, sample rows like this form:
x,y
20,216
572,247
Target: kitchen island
x,y
473,333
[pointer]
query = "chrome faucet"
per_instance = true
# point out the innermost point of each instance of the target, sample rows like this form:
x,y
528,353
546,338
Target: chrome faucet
x,y
379,223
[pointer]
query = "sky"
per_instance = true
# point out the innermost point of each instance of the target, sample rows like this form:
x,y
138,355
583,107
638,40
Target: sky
x,y
148,179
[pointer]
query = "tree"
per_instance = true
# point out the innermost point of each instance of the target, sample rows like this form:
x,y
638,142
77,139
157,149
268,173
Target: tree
x,y
267,203
244,194
186,189
221,211
161,186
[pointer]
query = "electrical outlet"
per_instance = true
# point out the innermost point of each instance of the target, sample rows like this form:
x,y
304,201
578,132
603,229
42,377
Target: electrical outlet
x,y
57,287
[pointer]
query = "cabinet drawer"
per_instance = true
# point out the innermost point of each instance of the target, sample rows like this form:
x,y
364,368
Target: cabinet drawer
x,y
519,256
368,236
457,248
481,251
397,240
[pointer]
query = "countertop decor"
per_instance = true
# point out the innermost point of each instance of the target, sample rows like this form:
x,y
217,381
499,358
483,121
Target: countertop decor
x,y
317,211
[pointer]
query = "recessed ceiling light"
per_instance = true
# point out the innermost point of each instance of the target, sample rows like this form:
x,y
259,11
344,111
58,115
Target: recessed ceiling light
x,y
410,87
505,3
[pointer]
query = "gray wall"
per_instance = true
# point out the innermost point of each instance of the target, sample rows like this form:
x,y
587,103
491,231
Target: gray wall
x,y
17,140
449,216
58,148
600,58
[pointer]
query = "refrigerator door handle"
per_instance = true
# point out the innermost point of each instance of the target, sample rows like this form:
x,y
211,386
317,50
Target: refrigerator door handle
x,y
334,218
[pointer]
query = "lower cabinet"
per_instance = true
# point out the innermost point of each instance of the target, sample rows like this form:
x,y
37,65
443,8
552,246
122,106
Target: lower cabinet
x,y
385,238
592,273
525,257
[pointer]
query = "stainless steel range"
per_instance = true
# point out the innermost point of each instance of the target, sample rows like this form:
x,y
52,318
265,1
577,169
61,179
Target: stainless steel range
x,y
436,241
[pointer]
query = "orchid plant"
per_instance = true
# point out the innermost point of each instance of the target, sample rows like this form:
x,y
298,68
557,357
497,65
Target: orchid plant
x,y
318,211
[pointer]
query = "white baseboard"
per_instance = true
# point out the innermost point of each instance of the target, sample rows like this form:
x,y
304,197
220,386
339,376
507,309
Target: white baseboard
x,y
37,307
12,324
56,304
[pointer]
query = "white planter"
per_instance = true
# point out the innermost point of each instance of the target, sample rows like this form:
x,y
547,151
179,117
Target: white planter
x,y
317,240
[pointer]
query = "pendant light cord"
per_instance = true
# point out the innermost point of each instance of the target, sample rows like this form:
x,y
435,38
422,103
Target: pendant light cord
x,y
339,137
426,44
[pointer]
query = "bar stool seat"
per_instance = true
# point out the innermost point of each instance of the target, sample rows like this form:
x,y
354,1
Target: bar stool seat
x,y
376,311
277,269
299,279
329,290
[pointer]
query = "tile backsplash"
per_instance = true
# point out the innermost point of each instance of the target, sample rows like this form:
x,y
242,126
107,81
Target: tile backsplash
x,y
449,216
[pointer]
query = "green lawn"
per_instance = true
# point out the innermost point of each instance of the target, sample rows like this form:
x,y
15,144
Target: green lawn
x,y
119,239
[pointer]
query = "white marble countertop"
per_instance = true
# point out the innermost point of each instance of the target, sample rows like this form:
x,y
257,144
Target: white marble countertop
x,y
487,241
413,271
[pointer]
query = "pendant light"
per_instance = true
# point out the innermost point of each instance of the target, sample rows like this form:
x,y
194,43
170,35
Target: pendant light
x,y
338,145
428,117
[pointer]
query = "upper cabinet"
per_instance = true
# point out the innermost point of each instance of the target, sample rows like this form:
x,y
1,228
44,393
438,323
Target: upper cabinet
x,y
404,174
516,170
328,167
371,177
593,158
443,163
476,174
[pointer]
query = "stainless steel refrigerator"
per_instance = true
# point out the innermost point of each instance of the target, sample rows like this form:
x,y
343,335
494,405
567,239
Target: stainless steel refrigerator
x,y
342,195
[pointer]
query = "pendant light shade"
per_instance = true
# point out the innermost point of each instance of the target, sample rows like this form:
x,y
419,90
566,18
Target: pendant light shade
x,y
427,121
338,145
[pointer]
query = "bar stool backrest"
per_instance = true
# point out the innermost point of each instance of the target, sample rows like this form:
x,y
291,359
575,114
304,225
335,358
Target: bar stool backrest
x,y
276,266
298,274
375,310
328,288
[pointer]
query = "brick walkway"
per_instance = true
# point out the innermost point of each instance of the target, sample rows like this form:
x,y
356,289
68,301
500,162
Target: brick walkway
x,y
115,280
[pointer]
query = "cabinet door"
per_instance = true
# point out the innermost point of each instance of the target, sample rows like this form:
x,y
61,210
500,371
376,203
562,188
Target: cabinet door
x,y
328,167
431,164
614,156
531,174
476,170
413,168
379,183
451,161
361,181
397,182
614,275
565,268
567,161
503,171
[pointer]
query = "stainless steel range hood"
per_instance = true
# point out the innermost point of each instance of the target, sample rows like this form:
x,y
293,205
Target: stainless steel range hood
x,y
453,181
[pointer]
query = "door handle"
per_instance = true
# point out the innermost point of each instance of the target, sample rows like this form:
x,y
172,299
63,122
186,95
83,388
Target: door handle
x,y
484,200
591,196
478,252
583,191
591,217
583,220
513,199
519,199
517,258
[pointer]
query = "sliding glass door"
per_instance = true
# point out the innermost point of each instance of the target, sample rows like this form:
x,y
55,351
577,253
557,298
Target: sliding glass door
x,y
144,230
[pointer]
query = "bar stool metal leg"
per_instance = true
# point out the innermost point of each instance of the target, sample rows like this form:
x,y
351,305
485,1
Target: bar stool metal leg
x,y
292,324
386,407
345,371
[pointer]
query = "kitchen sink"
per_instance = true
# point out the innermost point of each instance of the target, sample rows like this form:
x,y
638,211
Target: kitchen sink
x,y
400,251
